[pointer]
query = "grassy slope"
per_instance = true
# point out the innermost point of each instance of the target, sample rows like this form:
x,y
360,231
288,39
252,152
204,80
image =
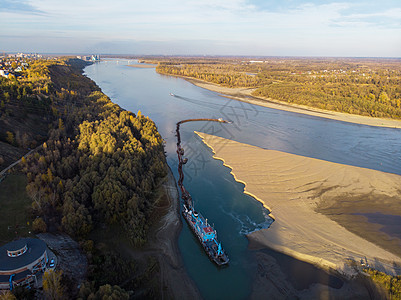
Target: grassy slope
x,y
14,204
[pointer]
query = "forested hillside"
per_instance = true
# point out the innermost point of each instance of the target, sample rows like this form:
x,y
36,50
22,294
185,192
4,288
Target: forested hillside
x,y
98,165
369,87
27,108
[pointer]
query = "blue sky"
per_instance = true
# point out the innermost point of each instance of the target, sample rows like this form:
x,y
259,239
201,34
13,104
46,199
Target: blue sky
x,y
203,27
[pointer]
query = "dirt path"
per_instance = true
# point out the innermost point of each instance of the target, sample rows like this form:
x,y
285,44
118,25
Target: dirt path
x,y
3,172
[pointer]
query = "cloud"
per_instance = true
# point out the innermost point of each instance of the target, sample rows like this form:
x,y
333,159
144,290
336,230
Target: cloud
x,y
234,25
388,18
18,6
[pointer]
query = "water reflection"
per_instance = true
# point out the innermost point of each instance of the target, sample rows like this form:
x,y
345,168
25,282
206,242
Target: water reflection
x,y
217,195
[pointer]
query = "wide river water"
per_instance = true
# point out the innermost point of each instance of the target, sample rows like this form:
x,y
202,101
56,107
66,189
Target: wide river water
x,y
217,195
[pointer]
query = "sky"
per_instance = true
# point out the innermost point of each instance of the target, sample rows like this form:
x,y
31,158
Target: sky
x,y
360,28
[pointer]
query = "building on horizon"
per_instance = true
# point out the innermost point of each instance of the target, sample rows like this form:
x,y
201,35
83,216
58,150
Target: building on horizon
x,y
94,57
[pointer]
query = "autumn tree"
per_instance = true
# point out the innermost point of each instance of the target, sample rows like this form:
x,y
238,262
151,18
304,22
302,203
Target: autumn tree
x,y
10,137
7,295
87,291
52,285
38,225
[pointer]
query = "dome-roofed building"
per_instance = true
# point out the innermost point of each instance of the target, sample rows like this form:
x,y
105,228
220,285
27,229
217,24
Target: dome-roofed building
x,y
20,261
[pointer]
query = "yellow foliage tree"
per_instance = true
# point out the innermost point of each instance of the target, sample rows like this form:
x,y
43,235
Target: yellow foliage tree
x,y
7,295
60,124
10,137
39,225
52,286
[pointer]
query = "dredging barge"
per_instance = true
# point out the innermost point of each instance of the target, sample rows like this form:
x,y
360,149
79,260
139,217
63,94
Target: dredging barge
x,y
205,233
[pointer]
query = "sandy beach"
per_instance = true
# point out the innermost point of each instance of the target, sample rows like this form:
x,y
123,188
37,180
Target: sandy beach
x,y
143,66
313,203
245,95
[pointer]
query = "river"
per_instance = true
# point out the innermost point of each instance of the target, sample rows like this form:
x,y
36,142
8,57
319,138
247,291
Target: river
x,y
217,196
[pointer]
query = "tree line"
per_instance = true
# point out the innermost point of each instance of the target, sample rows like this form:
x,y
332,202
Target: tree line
x,y
98,165
358,86
391,285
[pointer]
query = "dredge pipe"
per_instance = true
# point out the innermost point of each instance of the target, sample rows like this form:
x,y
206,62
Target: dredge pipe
x,y
180,153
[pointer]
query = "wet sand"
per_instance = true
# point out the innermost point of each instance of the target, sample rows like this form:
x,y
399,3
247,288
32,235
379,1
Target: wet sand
x,y
245,95
313,203
175,281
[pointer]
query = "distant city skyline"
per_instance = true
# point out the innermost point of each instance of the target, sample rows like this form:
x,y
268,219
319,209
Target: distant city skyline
x,y
359,28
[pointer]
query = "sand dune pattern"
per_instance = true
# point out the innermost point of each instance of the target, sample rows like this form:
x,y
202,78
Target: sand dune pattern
x,y
298,189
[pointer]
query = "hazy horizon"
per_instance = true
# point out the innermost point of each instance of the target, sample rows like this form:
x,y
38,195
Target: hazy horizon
x,y
145,55
254,28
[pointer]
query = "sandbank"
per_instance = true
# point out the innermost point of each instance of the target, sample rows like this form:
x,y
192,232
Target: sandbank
x,y
143,66
245,95
306,195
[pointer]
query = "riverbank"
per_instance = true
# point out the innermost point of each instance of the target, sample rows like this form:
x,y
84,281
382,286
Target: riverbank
x,y
245,95
143,66
169,279
175,281
304,196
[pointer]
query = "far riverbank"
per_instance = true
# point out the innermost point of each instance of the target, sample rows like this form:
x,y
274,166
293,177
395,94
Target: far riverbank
x,y
143,66
245,95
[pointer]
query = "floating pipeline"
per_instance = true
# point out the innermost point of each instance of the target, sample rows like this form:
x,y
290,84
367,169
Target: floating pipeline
x,y
205,233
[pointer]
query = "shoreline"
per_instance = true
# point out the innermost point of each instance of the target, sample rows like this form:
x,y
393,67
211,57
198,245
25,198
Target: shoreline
x,y
172,269
294,192
245,95
173,279
142,66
